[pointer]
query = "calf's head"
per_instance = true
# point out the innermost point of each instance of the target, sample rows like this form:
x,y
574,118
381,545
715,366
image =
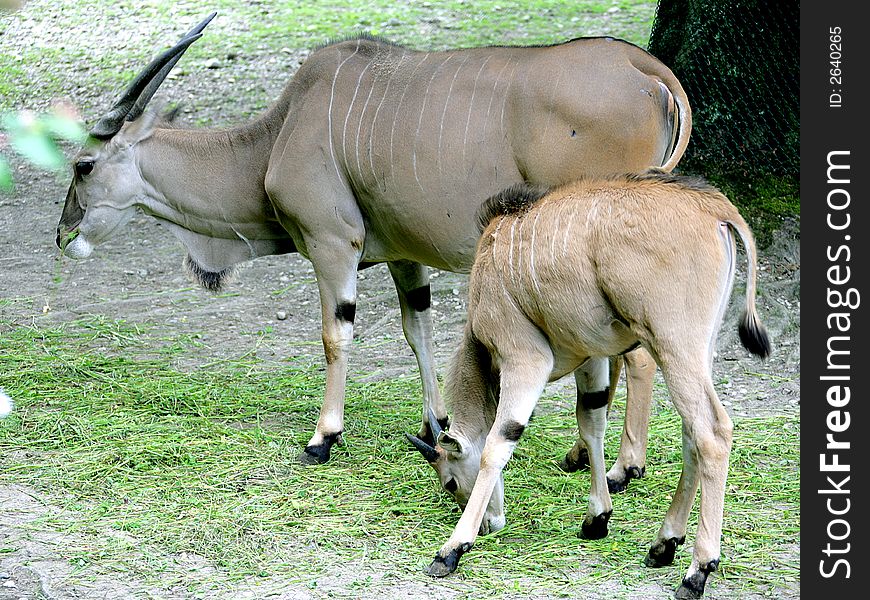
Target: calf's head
x,y
456,460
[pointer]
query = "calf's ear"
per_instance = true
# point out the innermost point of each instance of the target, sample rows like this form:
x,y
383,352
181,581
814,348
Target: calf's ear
x,y
451,443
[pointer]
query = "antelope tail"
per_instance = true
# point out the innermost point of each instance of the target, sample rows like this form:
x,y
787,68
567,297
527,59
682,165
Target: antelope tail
x,y
681,126
753,334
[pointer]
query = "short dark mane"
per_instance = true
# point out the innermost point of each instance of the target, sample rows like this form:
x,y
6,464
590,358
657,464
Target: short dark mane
x,y
689,182
516,199
353,37
365,35
520,197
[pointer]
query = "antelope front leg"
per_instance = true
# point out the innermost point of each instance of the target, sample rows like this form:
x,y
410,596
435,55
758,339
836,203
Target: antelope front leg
x,y
577,457
520,389
640,371
412,285
336,280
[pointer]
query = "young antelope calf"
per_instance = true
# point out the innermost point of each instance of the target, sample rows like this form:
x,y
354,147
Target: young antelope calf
x,y
562,281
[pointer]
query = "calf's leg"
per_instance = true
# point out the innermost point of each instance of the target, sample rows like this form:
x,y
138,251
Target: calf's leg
x,y
521,386
707,434
640,371
592,402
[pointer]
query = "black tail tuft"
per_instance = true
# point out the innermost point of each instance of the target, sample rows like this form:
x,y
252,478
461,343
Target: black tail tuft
x,y
753,335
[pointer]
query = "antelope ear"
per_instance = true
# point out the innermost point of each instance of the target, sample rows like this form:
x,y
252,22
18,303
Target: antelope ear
x,y
141,128
170,115
450,443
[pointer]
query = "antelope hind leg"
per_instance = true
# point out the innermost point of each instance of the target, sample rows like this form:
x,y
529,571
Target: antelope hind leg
x,y
412,285
640,371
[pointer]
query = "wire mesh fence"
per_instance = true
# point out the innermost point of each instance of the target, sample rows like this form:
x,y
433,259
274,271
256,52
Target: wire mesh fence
x,y
738,61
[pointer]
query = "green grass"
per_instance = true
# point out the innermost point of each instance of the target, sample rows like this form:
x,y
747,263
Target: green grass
x,y
54,67
764,200
203,461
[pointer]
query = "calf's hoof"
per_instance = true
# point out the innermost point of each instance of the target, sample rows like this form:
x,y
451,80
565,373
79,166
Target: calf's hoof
x,y
570,463
616,485
318,454
692,587
443,566
661,554
596,528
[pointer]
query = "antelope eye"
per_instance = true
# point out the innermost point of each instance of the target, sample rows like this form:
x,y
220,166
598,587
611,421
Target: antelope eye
x,y
84,167
451,486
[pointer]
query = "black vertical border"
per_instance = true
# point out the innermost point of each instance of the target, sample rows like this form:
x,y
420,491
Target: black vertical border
x,y
825,129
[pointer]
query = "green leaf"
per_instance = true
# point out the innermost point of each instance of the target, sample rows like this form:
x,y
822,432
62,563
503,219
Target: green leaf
x,y
5,176
39,150
65,128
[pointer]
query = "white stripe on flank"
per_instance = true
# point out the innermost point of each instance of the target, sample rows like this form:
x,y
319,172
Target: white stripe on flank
x,y
444,113
567,231
504,100
561,210
550,108
375,118
347,117
420,119
329,113
726,283
532,253
470,106
398,109
495,237
592,214
511,251
491,98
362,115
520,245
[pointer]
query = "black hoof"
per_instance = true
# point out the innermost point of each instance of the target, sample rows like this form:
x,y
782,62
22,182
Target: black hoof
x,y
661,554
692,587
570,464
441,567
596,528
319,454
427,436
616,486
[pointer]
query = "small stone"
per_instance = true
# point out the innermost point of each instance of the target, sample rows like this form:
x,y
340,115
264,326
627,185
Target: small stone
x,y
280,315
9,583
212,63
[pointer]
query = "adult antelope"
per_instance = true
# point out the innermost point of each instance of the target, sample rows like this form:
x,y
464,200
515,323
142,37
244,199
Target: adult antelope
x,y
562,281
375,153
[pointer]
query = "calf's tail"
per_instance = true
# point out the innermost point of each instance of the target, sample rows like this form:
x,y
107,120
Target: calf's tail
x,y
753,334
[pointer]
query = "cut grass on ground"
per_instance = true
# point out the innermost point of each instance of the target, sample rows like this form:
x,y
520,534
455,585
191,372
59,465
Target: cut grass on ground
x,y
203,462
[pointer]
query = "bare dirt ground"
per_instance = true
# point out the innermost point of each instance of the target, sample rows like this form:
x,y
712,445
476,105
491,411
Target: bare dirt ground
x,y
138,277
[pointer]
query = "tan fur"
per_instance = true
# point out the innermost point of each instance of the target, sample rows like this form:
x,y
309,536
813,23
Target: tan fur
x,y
377,153
582,274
